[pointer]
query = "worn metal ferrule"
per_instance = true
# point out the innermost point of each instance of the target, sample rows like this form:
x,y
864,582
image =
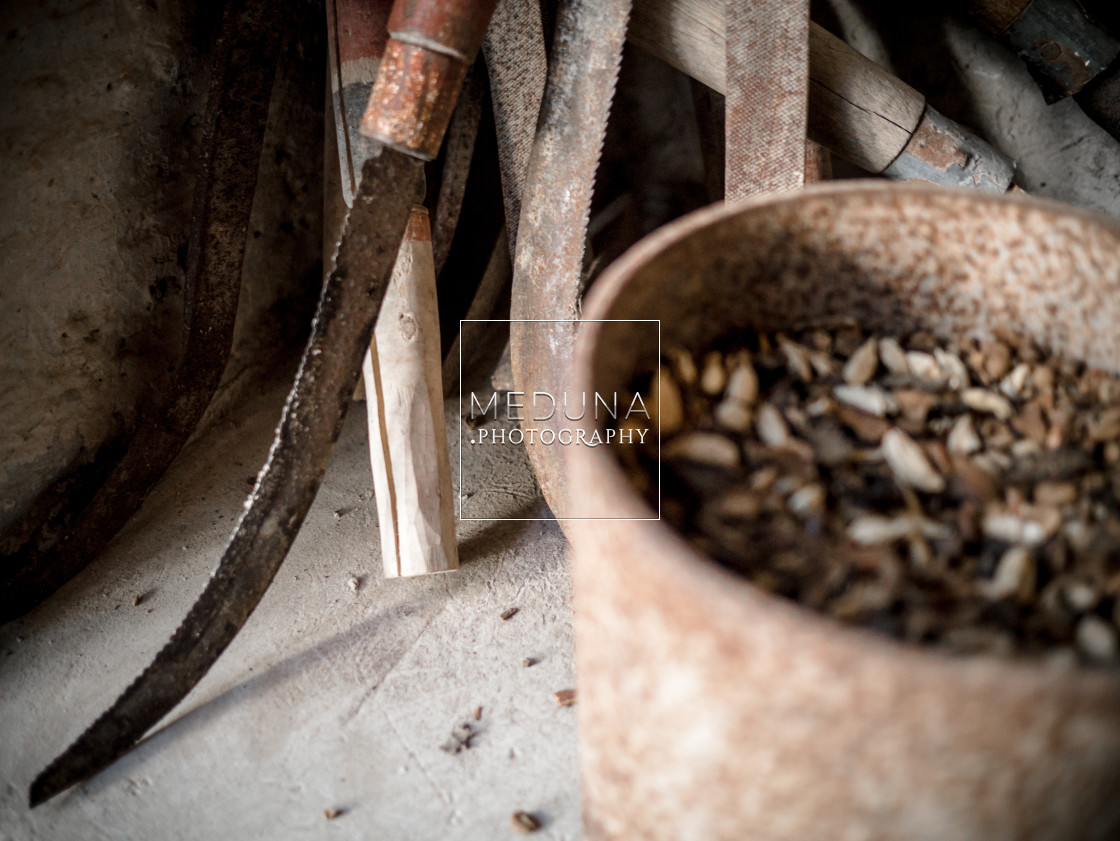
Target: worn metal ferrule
x,y
944,152
412,100
426,59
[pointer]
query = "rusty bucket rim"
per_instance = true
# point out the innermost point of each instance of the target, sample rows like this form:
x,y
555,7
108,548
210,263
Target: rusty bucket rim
x,y
732,597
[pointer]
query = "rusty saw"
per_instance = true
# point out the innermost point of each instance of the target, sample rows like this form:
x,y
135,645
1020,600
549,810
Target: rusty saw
x,y
431,46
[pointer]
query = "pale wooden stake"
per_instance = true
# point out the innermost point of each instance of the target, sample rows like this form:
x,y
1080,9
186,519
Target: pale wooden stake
x,y
404,407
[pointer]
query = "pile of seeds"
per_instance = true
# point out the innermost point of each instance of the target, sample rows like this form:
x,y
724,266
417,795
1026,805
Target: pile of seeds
x,y
962,496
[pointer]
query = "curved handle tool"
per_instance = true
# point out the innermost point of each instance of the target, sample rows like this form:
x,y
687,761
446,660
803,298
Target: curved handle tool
x,y
286,486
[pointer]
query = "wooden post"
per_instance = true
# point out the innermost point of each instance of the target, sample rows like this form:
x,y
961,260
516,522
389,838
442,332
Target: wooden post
x,y
404,407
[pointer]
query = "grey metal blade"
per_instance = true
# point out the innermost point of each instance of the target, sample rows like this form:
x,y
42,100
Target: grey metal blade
x,y
287,484
582,76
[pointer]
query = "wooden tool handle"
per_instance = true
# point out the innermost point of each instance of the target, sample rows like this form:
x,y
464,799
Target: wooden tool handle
x,y
857,109
430,48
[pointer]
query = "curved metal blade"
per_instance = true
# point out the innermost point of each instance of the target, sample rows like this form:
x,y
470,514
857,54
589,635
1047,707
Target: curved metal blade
x,y
286,486
582,75
242,73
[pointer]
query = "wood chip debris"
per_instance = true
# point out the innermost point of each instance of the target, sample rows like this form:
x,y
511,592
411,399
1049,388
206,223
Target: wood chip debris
x,y
331,813
524,822
565,697
960,494
526,662
460,738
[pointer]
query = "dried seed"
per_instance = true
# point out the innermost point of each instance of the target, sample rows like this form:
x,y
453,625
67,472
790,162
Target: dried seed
x,y
860,599
1080,597
714,377
527,662
733,416
1055,494
822,364
1096,638
1106,427
1014,576
1043,379
870,399
565,697
997,359
708,448
737,504
862,364
524,823
909,464
963,438
971,481
332,812
956,373
868,428
742,384
893,357
797,359
1001,524
915,405
682,364
1022,450
981,400
771,426
509,613
1014,384
872,529
808,502
924,366
665,406
1030,424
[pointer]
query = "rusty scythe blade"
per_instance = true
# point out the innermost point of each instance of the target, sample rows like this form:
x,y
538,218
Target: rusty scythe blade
x,y
241,76
582,76
305,439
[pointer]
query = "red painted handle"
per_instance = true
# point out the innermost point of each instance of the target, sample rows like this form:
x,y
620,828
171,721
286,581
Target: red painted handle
x,y
431,46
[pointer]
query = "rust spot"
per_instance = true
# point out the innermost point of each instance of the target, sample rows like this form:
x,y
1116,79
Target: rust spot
x,y
1078,72
937,148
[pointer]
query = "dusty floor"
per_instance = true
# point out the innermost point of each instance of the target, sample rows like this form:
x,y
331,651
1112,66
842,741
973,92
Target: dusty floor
x,y
330,697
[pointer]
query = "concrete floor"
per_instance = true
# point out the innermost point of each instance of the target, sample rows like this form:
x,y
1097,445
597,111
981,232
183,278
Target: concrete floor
x,y
330,697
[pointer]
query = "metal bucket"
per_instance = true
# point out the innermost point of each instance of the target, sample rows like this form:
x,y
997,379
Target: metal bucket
x,y
711,710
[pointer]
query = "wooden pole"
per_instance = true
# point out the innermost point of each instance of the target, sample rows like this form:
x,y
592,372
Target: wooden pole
x,y
404,408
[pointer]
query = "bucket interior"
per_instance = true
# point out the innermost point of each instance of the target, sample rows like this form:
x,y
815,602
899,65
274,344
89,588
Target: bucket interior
x,y
894,259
